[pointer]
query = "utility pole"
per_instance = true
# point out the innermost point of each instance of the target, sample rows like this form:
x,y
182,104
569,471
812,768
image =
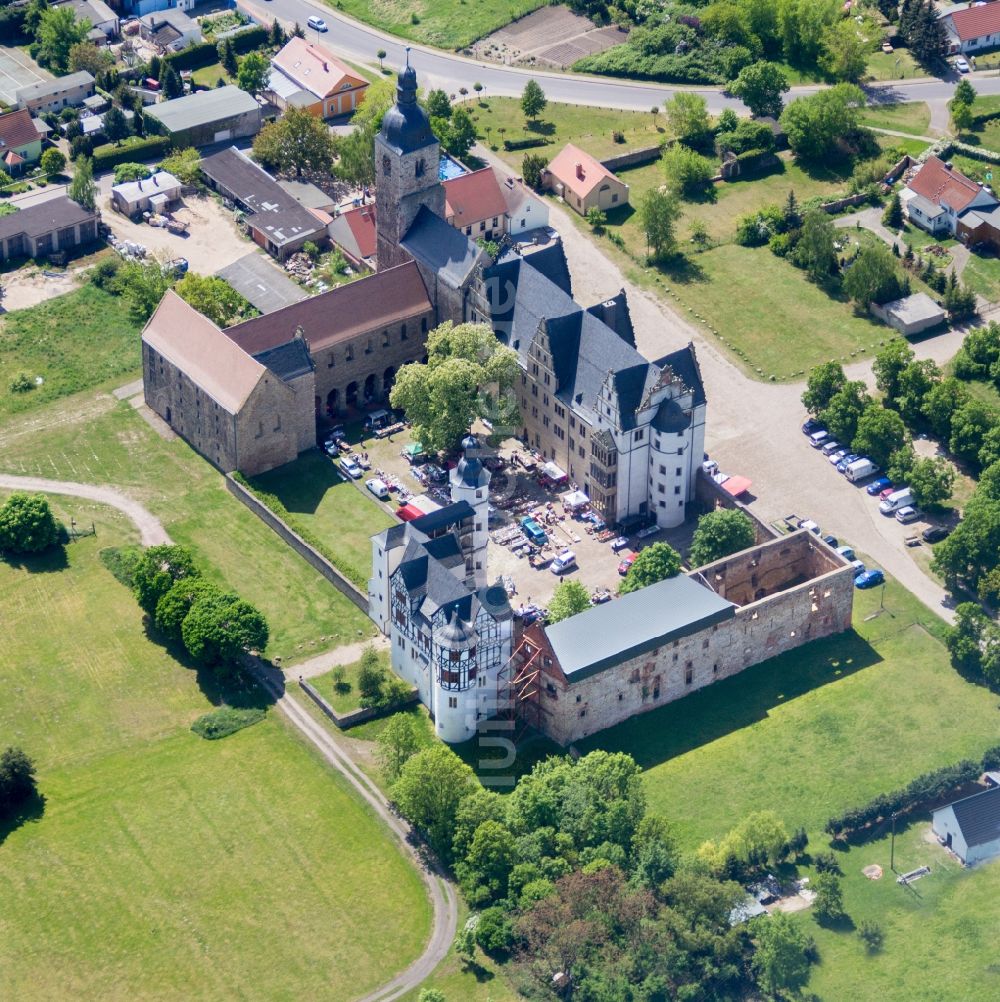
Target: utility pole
x,y
892,849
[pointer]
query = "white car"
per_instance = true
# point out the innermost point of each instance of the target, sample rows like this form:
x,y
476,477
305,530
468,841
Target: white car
x,y
378,487
962,64
350,468
836,457
563,562
317,24
907,515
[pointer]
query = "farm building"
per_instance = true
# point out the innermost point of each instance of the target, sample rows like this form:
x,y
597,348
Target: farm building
x,y
970,827
58,224
208,116
154,194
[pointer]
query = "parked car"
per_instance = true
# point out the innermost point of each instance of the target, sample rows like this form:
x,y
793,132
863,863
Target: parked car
x,y
350,467
878,486
858,567
808,523
851,457
177,267
830,446
896,500
533,531
330,448
626,564
378,487
563,562
869,579
317,24
907,515
836,456
860,469
817,438
811,425
962,64
882,495
619,543
935,533
831,541
846,552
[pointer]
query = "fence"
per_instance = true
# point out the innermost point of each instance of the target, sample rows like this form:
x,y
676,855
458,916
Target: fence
x,y
297,543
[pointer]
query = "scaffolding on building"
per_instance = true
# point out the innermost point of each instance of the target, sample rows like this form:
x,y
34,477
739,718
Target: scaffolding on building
x,y
519,686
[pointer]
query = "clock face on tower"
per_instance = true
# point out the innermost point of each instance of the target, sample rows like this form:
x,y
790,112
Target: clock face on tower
x,y
386,166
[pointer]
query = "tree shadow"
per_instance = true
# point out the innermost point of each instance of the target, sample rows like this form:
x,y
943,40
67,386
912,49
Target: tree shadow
x,y
49,561
30,811
542,128
842,923
681,269
737,702
483,975
620,215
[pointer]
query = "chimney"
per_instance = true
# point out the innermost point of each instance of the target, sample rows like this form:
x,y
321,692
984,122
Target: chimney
x,y
326,66
155,181
140,184
579,171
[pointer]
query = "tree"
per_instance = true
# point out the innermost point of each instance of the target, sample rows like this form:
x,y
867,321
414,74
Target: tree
x,y
116,126
829,903
494,932
823,383
759,839
58,31
531,170
254,73
184,164
655,563
781,958
815,251
460,134
959,300
371,676
27,524
484,871
931,480
720,533
87,56
17,779
296,142
276,35
889,362
220,628
82,189
597,218
654,852
658,215
924,32
158,570
880,433
687,118
940,403
214,298
687,172
964,92
969,425
380,55
892,218
468,374
356,163
962,117
874,277
438,104
845,51
170,81
760,86
430,787
175,604
227,56
915,382
842,413
397,743
570,598
965,640
52,161
816,125
533,100
142,284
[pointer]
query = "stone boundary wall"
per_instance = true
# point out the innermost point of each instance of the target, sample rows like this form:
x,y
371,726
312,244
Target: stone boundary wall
x,y
354,717
843,203
713,495
297,543
645,155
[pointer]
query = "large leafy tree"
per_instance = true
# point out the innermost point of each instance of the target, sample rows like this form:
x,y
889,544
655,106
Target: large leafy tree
x,y
468,375
173,607
438,104
781,957
458,135
58,31
220,628
214,298
687,118
940,403
655,563
484,871
815,251
253,73
687,172
842,413
533,100
397,743
17,779
27,524
184,164
914,384
969,426
889,363
116,126
875,277
158,569
823,383
816,125
658,215
570,598
296,142
880,434
720,533
87,56
82,189
931,480
760,87
143,284
846,48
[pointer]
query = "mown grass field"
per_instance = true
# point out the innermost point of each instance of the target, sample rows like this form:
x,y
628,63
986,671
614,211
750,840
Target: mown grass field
x,y
75,341
344,702
97,440
911,117
166,866
448,24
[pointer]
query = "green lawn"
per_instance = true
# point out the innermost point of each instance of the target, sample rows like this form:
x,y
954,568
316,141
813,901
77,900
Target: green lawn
x,y
209,76
982,275
338,513
95,440
898,65
911,117
344,702
75,341
448,24
815,731
166,866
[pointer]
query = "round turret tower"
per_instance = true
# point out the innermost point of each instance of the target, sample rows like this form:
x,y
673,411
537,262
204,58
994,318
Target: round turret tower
x,y
470,481
455,690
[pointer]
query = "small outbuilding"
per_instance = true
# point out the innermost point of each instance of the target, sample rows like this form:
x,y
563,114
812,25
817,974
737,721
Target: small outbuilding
x,y
970,827
153,194
584,182
911,314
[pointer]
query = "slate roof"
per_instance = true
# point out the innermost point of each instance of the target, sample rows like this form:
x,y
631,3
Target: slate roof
x,y
17,128
979,817
287,361
607,635
550,260
45,217
380,300
443,518
615,313
447,252
684,364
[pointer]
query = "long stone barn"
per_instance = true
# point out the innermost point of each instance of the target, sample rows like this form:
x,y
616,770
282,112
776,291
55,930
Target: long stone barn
x,y
653,646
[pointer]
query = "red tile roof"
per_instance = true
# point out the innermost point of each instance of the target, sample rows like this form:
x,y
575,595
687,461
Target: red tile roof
x,y
472,197
579,171
941,184
974,22
361,220
17,129
315,69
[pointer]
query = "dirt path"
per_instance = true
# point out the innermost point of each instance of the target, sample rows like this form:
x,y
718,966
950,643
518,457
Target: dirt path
x,y
442,894
151,530
345,655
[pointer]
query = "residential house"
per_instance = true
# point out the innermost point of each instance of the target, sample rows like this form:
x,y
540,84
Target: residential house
x,y
583,182
277,222
972,27
305,75
353,231
104,22
938,198
20,140
58,224
54,95
970,827
169,30
139,8
152,194
207,116
525,211
474,203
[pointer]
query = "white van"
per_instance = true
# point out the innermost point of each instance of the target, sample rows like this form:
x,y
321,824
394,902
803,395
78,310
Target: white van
x,y
817,438
860,469
378,487
895,501
563,562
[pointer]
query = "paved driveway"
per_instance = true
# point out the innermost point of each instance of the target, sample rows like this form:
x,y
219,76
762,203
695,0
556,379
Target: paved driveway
x,y
17,69
262,283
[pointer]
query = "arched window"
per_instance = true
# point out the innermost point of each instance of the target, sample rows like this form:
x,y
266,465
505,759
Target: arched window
x,y
420,167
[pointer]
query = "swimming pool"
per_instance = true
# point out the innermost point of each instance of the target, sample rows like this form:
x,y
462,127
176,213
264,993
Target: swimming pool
x,y
449,168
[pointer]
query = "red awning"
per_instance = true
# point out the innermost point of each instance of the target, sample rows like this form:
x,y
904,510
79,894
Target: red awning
x,y
408,512
737,486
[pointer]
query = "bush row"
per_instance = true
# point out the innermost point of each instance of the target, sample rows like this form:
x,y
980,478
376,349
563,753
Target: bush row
x,y
529,142
928,786
109,155
202,54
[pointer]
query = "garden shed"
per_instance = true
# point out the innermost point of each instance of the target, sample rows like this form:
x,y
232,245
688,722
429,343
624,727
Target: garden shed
x,y
154,194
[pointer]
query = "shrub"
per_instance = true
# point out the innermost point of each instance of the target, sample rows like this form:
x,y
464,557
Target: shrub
x,y
105,274
529,142
122,561
53,161
227,720
131,172
17,779
27,524
756,228
494,933
826,862
871,934
109,155
22,383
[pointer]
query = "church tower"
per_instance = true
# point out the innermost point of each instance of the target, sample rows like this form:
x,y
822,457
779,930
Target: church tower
x,y
406,170
470,481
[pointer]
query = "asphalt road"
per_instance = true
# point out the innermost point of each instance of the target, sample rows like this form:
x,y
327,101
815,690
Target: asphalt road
x,y
449,71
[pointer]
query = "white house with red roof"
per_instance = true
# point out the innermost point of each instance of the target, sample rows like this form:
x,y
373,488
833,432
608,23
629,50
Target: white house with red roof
x,y
474,204
584,182
972,27
938,199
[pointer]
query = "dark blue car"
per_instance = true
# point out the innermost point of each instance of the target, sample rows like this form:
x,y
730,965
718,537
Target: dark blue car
x,y
812,425
877,486
869,579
